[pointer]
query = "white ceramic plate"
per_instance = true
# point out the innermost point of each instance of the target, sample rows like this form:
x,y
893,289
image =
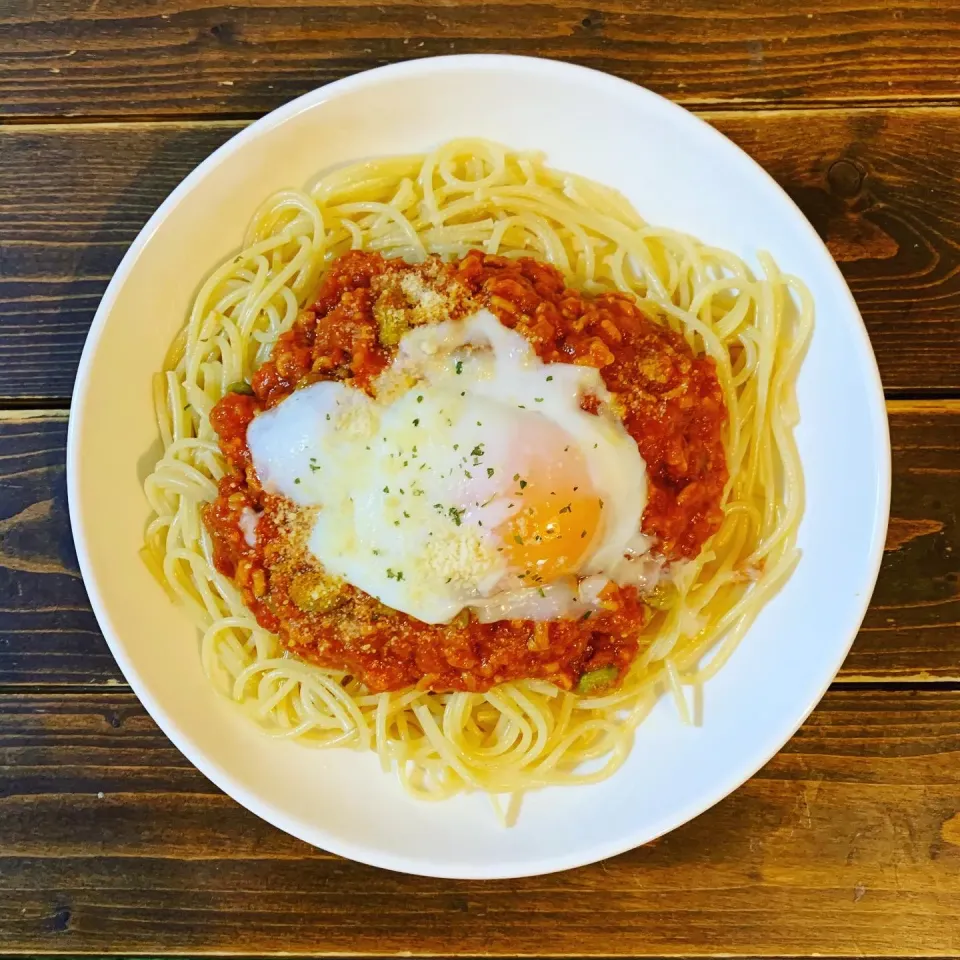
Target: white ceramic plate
x,y
678,172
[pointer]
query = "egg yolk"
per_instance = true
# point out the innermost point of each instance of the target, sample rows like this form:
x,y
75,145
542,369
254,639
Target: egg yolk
x,y
557,517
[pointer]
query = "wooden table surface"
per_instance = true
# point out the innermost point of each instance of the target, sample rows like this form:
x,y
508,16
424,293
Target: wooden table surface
x,y
847,843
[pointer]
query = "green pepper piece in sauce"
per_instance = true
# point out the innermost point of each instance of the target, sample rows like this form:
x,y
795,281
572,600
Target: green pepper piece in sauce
x,y
240,387
594,681
462,620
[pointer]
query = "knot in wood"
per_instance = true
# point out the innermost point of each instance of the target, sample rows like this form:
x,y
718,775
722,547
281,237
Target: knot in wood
x,y
845,178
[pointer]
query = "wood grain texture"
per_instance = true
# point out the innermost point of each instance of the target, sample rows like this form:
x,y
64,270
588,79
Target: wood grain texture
x,y
47,629
880,187
163,58
847,843
912,626
48,635
62,236
890,219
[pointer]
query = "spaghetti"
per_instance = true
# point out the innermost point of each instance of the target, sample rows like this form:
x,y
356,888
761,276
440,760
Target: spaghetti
x,y
473,194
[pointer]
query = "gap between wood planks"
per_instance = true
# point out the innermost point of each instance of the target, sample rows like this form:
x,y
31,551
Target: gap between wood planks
x,y
726,106
722,109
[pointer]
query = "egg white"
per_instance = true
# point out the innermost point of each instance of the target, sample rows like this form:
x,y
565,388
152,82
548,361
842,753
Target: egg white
x,y
412,485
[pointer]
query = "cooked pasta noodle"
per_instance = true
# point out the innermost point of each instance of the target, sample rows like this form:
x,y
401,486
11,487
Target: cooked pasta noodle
x,y
475,194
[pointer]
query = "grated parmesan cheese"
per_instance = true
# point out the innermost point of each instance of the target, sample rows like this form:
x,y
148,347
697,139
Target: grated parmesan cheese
x,y
460,555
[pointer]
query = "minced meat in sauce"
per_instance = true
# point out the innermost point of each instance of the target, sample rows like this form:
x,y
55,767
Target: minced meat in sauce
x,y
670,402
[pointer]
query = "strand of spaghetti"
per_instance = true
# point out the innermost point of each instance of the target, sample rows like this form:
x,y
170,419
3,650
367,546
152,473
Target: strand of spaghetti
x,y
567,216
736,626
250,311
391,213
224,272
524,736
504,735
441,745
584,193
388,169
583,731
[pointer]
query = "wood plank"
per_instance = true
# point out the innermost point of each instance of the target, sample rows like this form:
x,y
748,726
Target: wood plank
x,y
892,221
128,58
62,237
880,189
48,634
911,631
847,843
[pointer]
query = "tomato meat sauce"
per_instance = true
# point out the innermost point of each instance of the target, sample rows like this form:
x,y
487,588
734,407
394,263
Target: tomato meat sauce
x,y
670,402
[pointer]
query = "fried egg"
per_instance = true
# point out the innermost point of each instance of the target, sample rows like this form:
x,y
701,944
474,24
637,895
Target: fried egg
x,y
473,477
